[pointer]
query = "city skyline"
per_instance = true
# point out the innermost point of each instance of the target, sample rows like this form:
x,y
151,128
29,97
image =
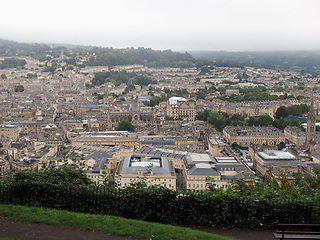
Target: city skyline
x,y
179,25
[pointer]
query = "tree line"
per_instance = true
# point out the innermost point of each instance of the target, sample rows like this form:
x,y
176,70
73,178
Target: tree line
x,y
219,120
119,77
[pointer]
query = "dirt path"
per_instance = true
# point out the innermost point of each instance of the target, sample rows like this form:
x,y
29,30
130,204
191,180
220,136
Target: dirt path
x,y
34,231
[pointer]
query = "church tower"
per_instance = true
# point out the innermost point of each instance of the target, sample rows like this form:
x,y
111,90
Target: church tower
x,y
311,128
135,108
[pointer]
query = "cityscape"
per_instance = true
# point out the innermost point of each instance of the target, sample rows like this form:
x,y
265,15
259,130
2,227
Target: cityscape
x,y
160,120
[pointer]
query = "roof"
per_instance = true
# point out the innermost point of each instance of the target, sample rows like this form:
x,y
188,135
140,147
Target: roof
x,y
226,160
134,163
203,169
276,155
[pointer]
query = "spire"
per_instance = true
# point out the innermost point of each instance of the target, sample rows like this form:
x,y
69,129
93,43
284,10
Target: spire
x,y
311,126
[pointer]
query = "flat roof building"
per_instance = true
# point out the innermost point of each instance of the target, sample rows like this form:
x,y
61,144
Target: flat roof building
x,y
156,171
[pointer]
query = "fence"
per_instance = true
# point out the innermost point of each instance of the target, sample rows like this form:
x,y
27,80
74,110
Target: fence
x,y
159,204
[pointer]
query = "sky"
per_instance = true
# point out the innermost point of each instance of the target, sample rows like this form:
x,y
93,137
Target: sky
x,y
180,25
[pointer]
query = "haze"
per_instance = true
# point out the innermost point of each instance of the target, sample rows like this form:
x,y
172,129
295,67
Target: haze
x,y
180,25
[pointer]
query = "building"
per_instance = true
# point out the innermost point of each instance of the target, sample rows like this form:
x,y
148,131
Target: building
x,y
108,138
151,169
3,166
311,129
222,170
245,135
216,147
180,108
134,113
295,135
232,92
273,162
10,131
156,140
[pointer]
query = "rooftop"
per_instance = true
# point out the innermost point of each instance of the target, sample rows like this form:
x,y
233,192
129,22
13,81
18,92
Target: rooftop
x,y
274,155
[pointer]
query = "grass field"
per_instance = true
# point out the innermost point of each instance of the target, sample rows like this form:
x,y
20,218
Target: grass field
x,y
109,224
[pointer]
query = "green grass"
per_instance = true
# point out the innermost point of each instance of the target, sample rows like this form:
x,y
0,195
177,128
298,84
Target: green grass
x,y
109,224
318,118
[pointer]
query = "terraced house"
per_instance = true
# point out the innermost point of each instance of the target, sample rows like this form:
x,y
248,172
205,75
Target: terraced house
x,y
245,135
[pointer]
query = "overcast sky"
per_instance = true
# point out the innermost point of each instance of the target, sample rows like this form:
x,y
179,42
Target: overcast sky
x,y
180,25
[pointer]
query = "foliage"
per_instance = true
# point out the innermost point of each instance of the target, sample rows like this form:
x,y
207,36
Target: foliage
x,y
19,88
125,125
282,112
290,60
154,101
145,56
262,205
32,75
220,119
12,63
3,76
254,94
120,77
281,145
294,110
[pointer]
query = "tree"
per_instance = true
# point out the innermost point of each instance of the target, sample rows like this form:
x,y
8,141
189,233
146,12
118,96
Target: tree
x,y
282,112
19,88
295,122
125,125
253,121
3,76
265,120
281,145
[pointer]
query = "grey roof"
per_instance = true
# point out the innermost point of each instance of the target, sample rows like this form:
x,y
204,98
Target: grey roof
x,y
99,155
204,171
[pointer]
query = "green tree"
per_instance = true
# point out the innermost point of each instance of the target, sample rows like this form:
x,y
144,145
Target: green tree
x,y
295,122
295,110
253,121
3,76
281,145
125,125
19,88
32,75
282,112
265,120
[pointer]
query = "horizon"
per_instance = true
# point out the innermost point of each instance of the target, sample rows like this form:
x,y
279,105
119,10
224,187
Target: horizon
x,y
207,25
181,51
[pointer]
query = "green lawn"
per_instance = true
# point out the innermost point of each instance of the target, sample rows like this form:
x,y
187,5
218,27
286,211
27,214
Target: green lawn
x,y
109,224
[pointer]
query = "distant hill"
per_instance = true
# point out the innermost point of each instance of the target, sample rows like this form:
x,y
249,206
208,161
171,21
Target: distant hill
x,y
98,56
308,61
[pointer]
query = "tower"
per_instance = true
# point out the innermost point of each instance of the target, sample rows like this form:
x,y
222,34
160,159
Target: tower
x,y
135,108
311,127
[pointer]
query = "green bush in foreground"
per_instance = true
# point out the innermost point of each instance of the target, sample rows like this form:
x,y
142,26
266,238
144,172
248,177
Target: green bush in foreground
x,y
108,224
263,205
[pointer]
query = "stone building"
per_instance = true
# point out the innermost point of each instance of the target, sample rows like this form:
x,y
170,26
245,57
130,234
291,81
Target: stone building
x,y
311,140
246,135
180,108
222,170
273,162
108,138
155,170
295,135
10,131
